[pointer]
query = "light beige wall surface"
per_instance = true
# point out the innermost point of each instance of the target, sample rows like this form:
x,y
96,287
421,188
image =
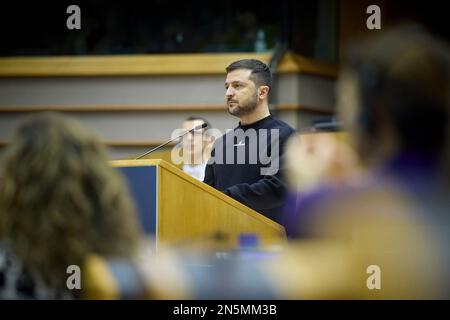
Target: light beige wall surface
x,y
128,112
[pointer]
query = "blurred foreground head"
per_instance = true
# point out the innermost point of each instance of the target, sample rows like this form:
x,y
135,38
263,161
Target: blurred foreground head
x,y
60,200
393,94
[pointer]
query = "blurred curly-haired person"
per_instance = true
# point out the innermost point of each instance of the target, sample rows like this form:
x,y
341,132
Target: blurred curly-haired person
x,y
60,202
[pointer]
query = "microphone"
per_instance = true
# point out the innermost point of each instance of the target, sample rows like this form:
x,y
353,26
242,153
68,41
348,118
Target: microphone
x,y
196,128
331,126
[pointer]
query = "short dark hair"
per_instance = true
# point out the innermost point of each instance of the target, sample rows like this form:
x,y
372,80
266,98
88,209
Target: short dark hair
x,y
260,74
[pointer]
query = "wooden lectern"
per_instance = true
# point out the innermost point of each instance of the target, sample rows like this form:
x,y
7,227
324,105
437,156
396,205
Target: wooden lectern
x,y
176,208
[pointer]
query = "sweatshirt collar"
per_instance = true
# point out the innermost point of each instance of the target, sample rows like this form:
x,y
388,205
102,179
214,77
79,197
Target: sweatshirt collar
x,y
256,124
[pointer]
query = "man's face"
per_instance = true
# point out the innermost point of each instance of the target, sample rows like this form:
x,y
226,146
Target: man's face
x,y
193,142
241,94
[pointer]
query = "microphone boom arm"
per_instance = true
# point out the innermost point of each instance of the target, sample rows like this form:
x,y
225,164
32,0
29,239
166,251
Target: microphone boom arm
x,y
204,125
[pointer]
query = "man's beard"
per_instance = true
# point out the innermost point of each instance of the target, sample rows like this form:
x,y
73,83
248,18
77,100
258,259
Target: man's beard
x,y
243,110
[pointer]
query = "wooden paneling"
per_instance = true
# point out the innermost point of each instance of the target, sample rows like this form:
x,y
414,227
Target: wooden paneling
x,y
115,108
123,65
191,210
149,108
294,63
151,65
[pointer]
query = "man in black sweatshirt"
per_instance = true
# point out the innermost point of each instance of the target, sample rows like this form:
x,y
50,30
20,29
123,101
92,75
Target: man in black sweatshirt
x,y
246,162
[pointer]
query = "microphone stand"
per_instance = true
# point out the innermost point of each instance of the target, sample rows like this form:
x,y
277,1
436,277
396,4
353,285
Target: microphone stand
x,y
167,142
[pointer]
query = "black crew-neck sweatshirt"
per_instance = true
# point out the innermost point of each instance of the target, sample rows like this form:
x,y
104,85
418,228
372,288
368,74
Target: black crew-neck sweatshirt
x,y
242,179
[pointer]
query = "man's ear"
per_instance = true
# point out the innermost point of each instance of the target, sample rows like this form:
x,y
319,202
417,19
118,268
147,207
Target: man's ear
x,y
263,92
